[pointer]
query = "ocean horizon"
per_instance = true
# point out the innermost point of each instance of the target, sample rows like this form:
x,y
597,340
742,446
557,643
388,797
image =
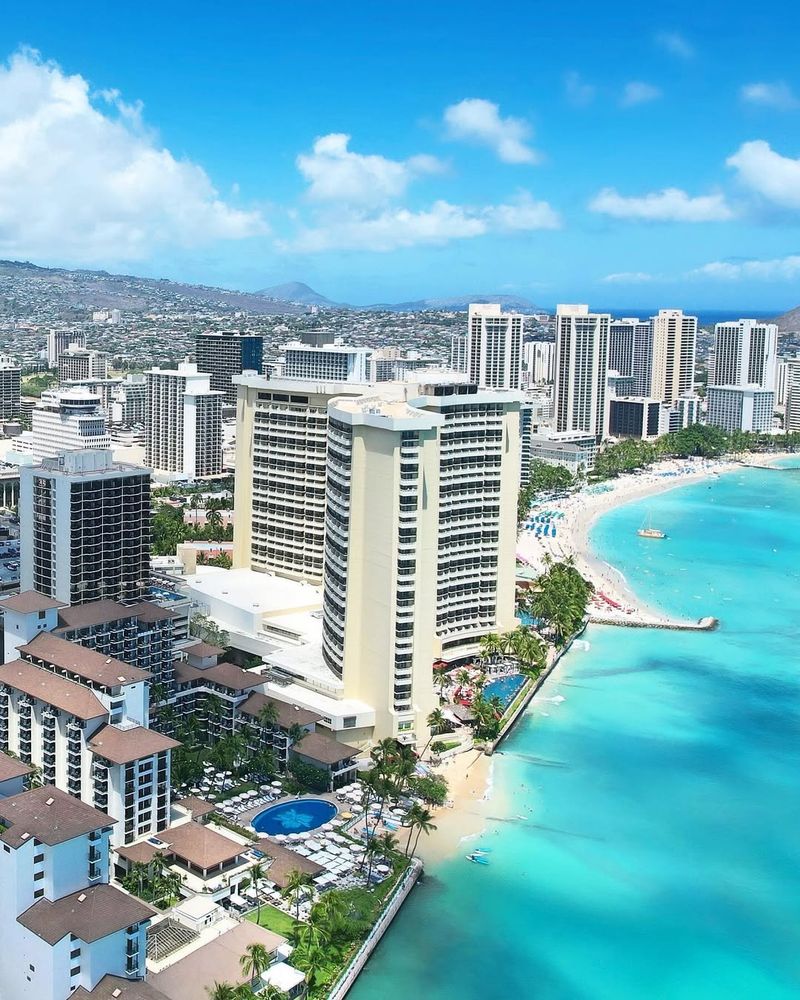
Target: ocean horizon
x,y
644,810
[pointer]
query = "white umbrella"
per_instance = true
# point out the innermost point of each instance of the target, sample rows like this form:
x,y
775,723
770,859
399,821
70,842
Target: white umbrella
x,y
276,784
356,849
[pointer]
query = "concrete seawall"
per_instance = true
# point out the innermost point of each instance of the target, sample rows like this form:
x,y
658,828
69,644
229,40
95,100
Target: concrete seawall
x,y
342,986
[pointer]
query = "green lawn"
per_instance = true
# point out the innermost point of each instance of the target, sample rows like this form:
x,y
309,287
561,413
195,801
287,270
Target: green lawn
x,y
273,919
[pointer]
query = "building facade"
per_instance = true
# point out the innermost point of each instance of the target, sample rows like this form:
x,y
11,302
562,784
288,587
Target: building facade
x,y
81,718
581,371
224,355
674,355
281,464
184,423
494,347
792,421
85,528
78,364
59,340
326,363
745,354
66,928
65,420
638,418
740,408
10,393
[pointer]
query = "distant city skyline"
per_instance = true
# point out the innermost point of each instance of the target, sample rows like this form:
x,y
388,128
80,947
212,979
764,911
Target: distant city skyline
x,y
385,156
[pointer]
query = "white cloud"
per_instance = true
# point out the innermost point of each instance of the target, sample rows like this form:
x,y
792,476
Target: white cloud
x,y
82,180
579,92
770,95
669,205
638,92
335,173
476,120
675,44
628,278
774,177
397,227
777,269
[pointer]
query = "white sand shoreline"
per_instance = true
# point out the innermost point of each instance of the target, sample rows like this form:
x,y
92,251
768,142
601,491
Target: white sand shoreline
x,y
470,775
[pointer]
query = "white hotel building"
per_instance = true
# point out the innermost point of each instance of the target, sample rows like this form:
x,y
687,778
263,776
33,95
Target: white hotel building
x,y
326,363
494,347
82,718
65,928
184,423
65,420
582,344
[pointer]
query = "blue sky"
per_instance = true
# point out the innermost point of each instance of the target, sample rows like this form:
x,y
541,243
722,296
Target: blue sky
x,y
610,153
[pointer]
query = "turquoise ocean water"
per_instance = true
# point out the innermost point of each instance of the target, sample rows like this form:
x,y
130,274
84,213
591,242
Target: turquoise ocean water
x,y
659,853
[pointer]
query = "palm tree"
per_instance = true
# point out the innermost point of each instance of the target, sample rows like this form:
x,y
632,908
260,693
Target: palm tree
x,y
312,959
296,734
221,991
388,845
268,715
414,814
424,824
437,722
463,677
491,646
254,962
258,873
296,882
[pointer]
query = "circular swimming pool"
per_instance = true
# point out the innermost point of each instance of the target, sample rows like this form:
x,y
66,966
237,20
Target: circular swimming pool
x,y
297,816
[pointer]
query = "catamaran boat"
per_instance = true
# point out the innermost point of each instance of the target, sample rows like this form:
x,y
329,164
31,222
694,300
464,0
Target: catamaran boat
x,y
648,531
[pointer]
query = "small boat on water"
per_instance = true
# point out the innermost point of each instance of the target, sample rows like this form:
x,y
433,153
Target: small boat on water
x,y
477,859
648,531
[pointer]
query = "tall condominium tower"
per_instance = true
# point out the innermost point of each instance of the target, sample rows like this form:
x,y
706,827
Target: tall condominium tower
x,y
10,378
792,422
745,354
540,361
674,350
78,364
281,462
184,423
494,347
581,370
326,363
420,540
65,420
85,528
381,557
58,341
223,355
458,352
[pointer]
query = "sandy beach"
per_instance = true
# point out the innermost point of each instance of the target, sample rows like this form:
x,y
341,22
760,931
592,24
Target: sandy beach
x,y
469,774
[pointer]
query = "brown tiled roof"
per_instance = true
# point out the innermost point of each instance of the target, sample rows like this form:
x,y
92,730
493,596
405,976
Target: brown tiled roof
x,y
285,861
49,815
51,689
227,675
29,601
217,961
141,853
121,746
93,613
324,748
89,914
196,805
10,767
114,988
86,663
288,715
200,845
149,612
203,649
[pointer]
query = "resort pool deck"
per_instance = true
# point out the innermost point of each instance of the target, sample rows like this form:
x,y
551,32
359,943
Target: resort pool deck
x,y
296,816
504,688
